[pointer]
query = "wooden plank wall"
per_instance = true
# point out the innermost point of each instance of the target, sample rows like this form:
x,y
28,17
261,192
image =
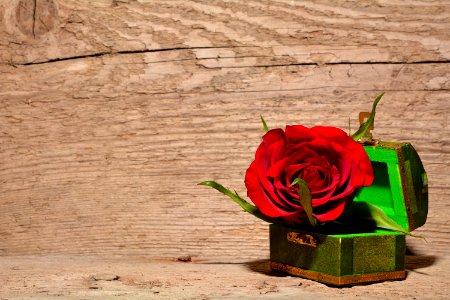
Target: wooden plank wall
x,y
112,111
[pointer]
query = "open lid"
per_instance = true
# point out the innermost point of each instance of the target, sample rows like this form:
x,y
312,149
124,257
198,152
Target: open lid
x,y
400,187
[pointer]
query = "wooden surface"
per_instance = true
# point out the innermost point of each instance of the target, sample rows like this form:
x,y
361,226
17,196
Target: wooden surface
x,y
112,111
53,277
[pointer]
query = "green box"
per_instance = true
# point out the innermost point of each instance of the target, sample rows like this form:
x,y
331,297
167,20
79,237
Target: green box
x,y
343,256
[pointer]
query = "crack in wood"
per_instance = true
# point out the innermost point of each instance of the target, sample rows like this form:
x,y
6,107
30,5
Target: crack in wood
x,y
335,63
101,54
34,19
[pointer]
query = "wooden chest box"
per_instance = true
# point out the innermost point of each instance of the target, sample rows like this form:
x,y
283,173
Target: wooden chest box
x,y
346,255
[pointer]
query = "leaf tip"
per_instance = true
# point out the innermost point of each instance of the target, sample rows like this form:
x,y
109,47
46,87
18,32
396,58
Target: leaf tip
x,y
378,98
299,181
266,128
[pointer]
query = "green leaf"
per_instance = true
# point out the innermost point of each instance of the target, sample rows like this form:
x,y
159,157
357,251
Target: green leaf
x,y
266,128
364,127
242,203
305,199
369,215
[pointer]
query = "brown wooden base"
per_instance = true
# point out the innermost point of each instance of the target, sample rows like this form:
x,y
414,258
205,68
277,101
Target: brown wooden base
x,y
338,280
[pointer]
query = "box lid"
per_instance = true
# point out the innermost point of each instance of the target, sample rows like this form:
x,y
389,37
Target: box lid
x,y
400,187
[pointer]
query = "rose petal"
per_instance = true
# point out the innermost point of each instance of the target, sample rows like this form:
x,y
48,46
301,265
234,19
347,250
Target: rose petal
x,y
289,195
272,136
312,177
258,196
275,150
323,196
330,134
296,134
262,165
331,212
277,169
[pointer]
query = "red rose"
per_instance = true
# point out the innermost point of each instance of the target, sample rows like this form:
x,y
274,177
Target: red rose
x,y
332,164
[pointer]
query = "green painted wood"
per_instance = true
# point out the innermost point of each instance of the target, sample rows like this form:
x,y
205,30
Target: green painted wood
x,y
338,254
416,185
400,187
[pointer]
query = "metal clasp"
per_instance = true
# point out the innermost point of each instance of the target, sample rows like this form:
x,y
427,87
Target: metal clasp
x,y
302,239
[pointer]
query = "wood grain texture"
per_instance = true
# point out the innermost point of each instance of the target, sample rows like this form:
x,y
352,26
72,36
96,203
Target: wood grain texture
x,y
111,115
280,32
54,277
